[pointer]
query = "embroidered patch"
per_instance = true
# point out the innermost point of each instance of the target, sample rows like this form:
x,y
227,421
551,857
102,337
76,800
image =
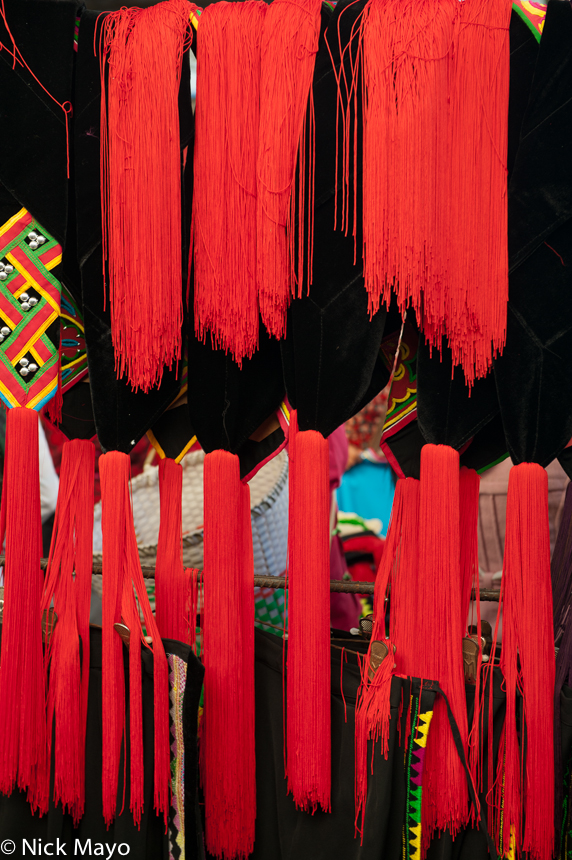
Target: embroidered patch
x,y
29,306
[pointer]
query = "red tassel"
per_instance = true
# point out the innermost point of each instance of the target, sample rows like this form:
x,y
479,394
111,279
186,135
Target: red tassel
x,y
69,597
23,751
528,663
114,470
406,595
161,733
289,45
440,630
194,577
469,483
141,59
224,198
372,717
227,755
171,580
398,571
308,719
425,69
120,556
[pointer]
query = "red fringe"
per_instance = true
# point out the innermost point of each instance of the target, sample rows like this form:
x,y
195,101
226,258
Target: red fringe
x,y
23,751
67,674
227,751
289,45
435,92
224,199
141,54
171,580
528,664
308,730
469,483
122,583
441,628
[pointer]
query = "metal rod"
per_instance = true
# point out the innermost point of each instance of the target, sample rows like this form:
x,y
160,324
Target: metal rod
x,y
336,585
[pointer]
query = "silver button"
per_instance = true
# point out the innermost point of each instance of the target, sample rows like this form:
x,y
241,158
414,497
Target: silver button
x,y
24,371
32,302
32,236
33,245
4,331
23,362
25,306
8,268
32,367
24,297
3,276
40,240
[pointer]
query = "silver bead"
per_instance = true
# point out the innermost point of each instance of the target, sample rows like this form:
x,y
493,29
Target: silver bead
x,y
24,371
2,267
25,306
32,367
33,245
32,302
3,276
40,240
5,331
23,362
24,297
32,236
8,268
1,339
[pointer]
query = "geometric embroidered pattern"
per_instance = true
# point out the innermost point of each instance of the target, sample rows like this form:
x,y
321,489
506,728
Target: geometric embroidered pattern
x,y
421,716
29,305
177,685
72,339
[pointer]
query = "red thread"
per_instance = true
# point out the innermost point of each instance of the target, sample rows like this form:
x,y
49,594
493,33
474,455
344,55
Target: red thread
x,y
23,759
227,740
434,95
289,47
69,597
308,719
171,580
140,53
224,196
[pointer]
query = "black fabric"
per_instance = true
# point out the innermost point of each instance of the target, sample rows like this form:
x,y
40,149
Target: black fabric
x,y
33,157
472,843
77,413
173,431
284,833
121,415
531,384
331,355
150,841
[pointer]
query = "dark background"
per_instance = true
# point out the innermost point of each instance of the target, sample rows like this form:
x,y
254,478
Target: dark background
x,y
110,5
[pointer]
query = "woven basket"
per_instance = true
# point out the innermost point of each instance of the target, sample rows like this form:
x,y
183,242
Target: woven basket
x,y
269,500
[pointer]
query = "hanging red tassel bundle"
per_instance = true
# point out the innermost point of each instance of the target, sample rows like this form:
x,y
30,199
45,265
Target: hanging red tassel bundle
x,y
23,751
227,752
406,595
171,579
528,664
114,474
308,718
68,596
194,578
141,54
469,483
441,629
225,155
122,584
289,46
435,119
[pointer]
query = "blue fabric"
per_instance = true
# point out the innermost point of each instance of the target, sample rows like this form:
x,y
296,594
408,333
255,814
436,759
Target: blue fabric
x,y
367,489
